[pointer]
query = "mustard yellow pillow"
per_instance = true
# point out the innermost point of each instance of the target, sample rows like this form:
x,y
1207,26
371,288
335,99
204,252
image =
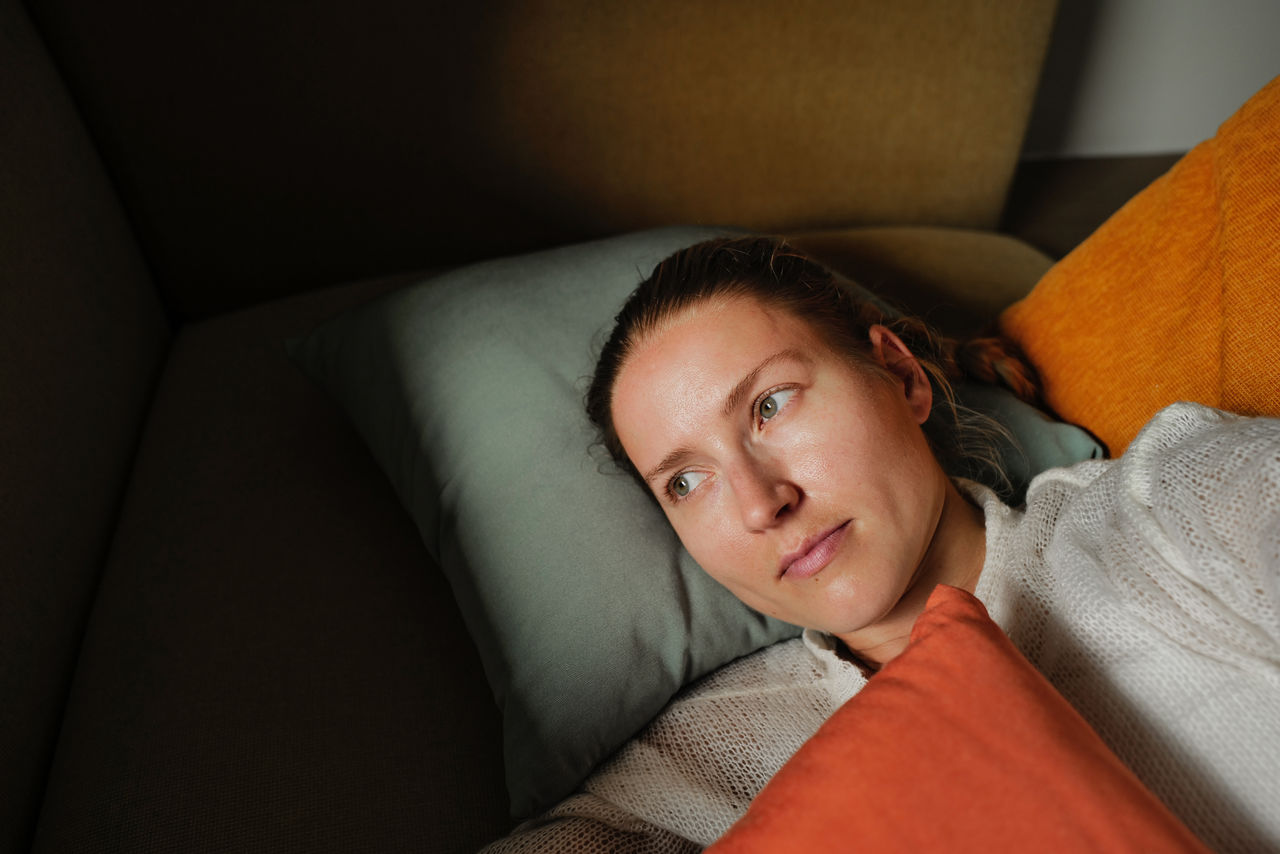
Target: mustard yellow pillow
x,y
1176,297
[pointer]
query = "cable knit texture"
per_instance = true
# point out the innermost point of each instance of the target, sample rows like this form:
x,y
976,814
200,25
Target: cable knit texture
x,y
1145,589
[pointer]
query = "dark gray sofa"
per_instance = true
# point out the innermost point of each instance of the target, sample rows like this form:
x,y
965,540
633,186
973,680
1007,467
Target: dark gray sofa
x,y
220,630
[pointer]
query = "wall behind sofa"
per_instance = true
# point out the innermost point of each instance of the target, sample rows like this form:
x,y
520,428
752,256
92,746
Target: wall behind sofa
x,y
1137,77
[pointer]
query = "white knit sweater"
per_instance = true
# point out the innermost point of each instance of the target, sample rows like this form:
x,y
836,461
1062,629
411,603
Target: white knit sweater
x,y
1147,590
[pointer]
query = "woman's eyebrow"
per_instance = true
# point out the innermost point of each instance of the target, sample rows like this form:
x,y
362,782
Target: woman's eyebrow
x,y
743,388
734,400
670,461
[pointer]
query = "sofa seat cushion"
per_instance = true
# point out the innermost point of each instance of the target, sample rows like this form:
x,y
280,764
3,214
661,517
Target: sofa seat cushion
x,y
272,663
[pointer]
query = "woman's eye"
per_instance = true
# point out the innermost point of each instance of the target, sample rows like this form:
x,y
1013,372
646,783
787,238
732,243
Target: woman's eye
x,y
686,482
771,405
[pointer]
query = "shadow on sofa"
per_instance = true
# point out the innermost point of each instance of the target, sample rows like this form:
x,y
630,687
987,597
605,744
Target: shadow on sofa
x,y
222,632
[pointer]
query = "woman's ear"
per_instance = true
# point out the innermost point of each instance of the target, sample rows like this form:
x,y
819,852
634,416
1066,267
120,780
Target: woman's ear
x,y
889,351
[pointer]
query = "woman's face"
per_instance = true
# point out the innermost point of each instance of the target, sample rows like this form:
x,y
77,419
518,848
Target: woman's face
x,y
796,477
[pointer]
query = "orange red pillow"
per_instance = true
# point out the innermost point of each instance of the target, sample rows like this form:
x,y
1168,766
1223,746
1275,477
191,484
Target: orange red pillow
x,y
957,745
1176,297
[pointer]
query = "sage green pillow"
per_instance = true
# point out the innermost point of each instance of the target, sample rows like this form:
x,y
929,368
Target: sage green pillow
x,y
587,612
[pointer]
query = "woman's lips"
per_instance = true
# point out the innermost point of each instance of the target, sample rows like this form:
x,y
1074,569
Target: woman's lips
x,y
814,554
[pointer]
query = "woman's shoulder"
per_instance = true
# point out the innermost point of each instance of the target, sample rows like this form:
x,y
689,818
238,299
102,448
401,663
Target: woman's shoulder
x,y
1194,454
1184,435
1189,517
1185,421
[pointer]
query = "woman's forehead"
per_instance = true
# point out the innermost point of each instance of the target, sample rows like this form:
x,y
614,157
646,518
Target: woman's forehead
x,y
720,331
710,335
683,373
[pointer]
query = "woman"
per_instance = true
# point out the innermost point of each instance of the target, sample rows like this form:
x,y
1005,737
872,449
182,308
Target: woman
x,y
690,395
801,442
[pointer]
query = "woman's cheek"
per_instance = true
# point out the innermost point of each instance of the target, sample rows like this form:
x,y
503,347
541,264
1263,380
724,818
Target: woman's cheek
x,y
806,449
723,547
811,469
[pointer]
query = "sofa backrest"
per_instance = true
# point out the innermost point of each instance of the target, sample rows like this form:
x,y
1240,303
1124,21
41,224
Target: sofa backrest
x,y
262,148
82,336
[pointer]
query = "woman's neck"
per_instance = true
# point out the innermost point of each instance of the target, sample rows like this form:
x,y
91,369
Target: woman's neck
x,y
955,556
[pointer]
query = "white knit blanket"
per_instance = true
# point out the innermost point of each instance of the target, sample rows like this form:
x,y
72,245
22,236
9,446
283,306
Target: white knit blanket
x,y
1147,590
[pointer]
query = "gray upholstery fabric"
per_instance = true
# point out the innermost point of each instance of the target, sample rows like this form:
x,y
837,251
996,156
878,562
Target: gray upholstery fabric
x,y
81,341
273,663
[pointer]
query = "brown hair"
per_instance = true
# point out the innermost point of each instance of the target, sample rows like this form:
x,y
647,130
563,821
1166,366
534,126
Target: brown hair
x,y
779,276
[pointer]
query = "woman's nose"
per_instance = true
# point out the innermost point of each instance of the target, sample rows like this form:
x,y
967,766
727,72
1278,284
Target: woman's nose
x,y
764,495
